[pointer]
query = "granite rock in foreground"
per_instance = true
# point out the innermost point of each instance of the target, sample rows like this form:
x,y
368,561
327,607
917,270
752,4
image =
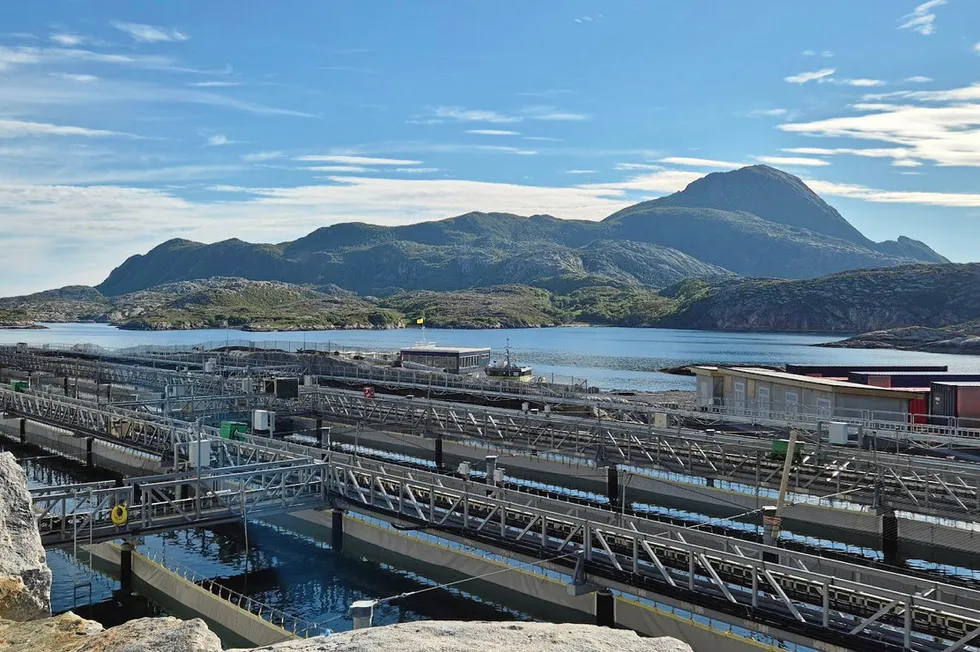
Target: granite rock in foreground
x,y
25,579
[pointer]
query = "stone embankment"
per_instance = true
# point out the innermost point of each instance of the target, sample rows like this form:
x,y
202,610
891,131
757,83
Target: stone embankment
x,y
26,624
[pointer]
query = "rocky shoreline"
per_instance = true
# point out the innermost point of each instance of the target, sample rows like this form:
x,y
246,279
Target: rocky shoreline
x,y
26,624
962,339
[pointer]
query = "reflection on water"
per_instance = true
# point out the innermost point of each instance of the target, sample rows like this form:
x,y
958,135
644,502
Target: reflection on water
x,y
620,358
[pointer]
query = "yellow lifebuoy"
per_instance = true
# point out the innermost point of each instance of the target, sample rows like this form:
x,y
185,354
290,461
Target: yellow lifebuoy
x,y
119,515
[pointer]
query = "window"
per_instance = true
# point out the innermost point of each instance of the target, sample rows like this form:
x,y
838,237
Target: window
x,y
762,401
792,403
739,395
824,409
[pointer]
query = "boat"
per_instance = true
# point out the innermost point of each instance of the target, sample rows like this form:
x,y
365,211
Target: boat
x,y
508,369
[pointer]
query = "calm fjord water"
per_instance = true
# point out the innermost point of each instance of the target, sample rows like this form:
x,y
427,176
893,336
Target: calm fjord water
x,y
611,358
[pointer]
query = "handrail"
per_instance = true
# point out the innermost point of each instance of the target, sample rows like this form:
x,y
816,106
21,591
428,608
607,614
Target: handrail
x,y
293,624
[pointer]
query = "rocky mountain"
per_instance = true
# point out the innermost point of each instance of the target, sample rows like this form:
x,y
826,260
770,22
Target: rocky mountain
x,y
849,302
756,221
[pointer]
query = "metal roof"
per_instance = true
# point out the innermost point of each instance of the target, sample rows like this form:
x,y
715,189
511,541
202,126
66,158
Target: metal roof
x,y
825,383
462,350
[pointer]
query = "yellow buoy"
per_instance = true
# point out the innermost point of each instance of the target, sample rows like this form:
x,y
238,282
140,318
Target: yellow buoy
x,y
120,515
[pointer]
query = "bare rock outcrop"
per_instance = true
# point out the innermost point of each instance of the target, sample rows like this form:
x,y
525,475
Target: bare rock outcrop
x,y
69,633
457,636
25,579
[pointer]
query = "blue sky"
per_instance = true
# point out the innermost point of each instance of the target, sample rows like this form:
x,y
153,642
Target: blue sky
x,y
123,124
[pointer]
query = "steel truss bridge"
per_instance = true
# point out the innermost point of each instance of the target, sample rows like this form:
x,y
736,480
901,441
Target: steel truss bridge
x,y
915,483
803,595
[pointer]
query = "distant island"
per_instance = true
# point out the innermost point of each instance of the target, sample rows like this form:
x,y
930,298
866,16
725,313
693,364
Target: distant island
x,y
752,250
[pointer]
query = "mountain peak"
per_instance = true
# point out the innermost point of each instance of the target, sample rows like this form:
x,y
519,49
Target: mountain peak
x,y
773,195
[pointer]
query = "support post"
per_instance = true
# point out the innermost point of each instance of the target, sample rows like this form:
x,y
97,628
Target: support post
x,y
126,568
66,385
362,613
23,431
438,459
337,529
605,608
89,457
889,537
491,466
772,517
612,484
770,533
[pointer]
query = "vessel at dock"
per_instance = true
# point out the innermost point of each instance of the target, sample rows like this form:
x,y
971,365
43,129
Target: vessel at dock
x,y
508,369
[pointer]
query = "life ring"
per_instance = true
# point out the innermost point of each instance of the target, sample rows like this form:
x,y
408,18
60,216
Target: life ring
x,y
119,515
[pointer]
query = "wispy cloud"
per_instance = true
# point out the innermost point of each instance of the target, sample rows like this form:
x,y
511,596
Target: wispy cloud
x,y
579,171
588,19
150,33
901,157
462,114
493,132
68,40
507,149
553,114
917,79
339,168
21,129
416,170
864,82
259,157
922,19
699,162
793,161
638,166
75,77
544,139
216,84
13,57
816,75
947,135
355,160
217,140
769,113
854,191
814,53
976,48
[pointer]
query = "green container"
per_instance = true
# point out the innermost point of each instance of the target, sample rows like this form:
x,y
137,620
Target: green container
x,y
20,385
780,446
233,430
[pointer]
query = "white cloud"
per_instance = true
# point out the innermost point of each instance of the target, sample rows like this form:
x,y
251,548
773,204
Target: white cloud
x,y
793,161
258,157
769,113
638,166
917,79
69,40
552,114
948,199
339,168
579,171
815,75
75,77
864,82
355,160
216,140
809,53
906,163
461,114
922,20
546,139
506,149
976,48
21,129
897,153
416,170
493,132
700,162
948,135
663,181
150,33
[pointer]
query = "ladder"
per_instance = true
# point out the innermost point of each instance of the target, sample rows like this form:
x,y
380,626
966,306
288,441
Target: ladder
x,y
82,572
